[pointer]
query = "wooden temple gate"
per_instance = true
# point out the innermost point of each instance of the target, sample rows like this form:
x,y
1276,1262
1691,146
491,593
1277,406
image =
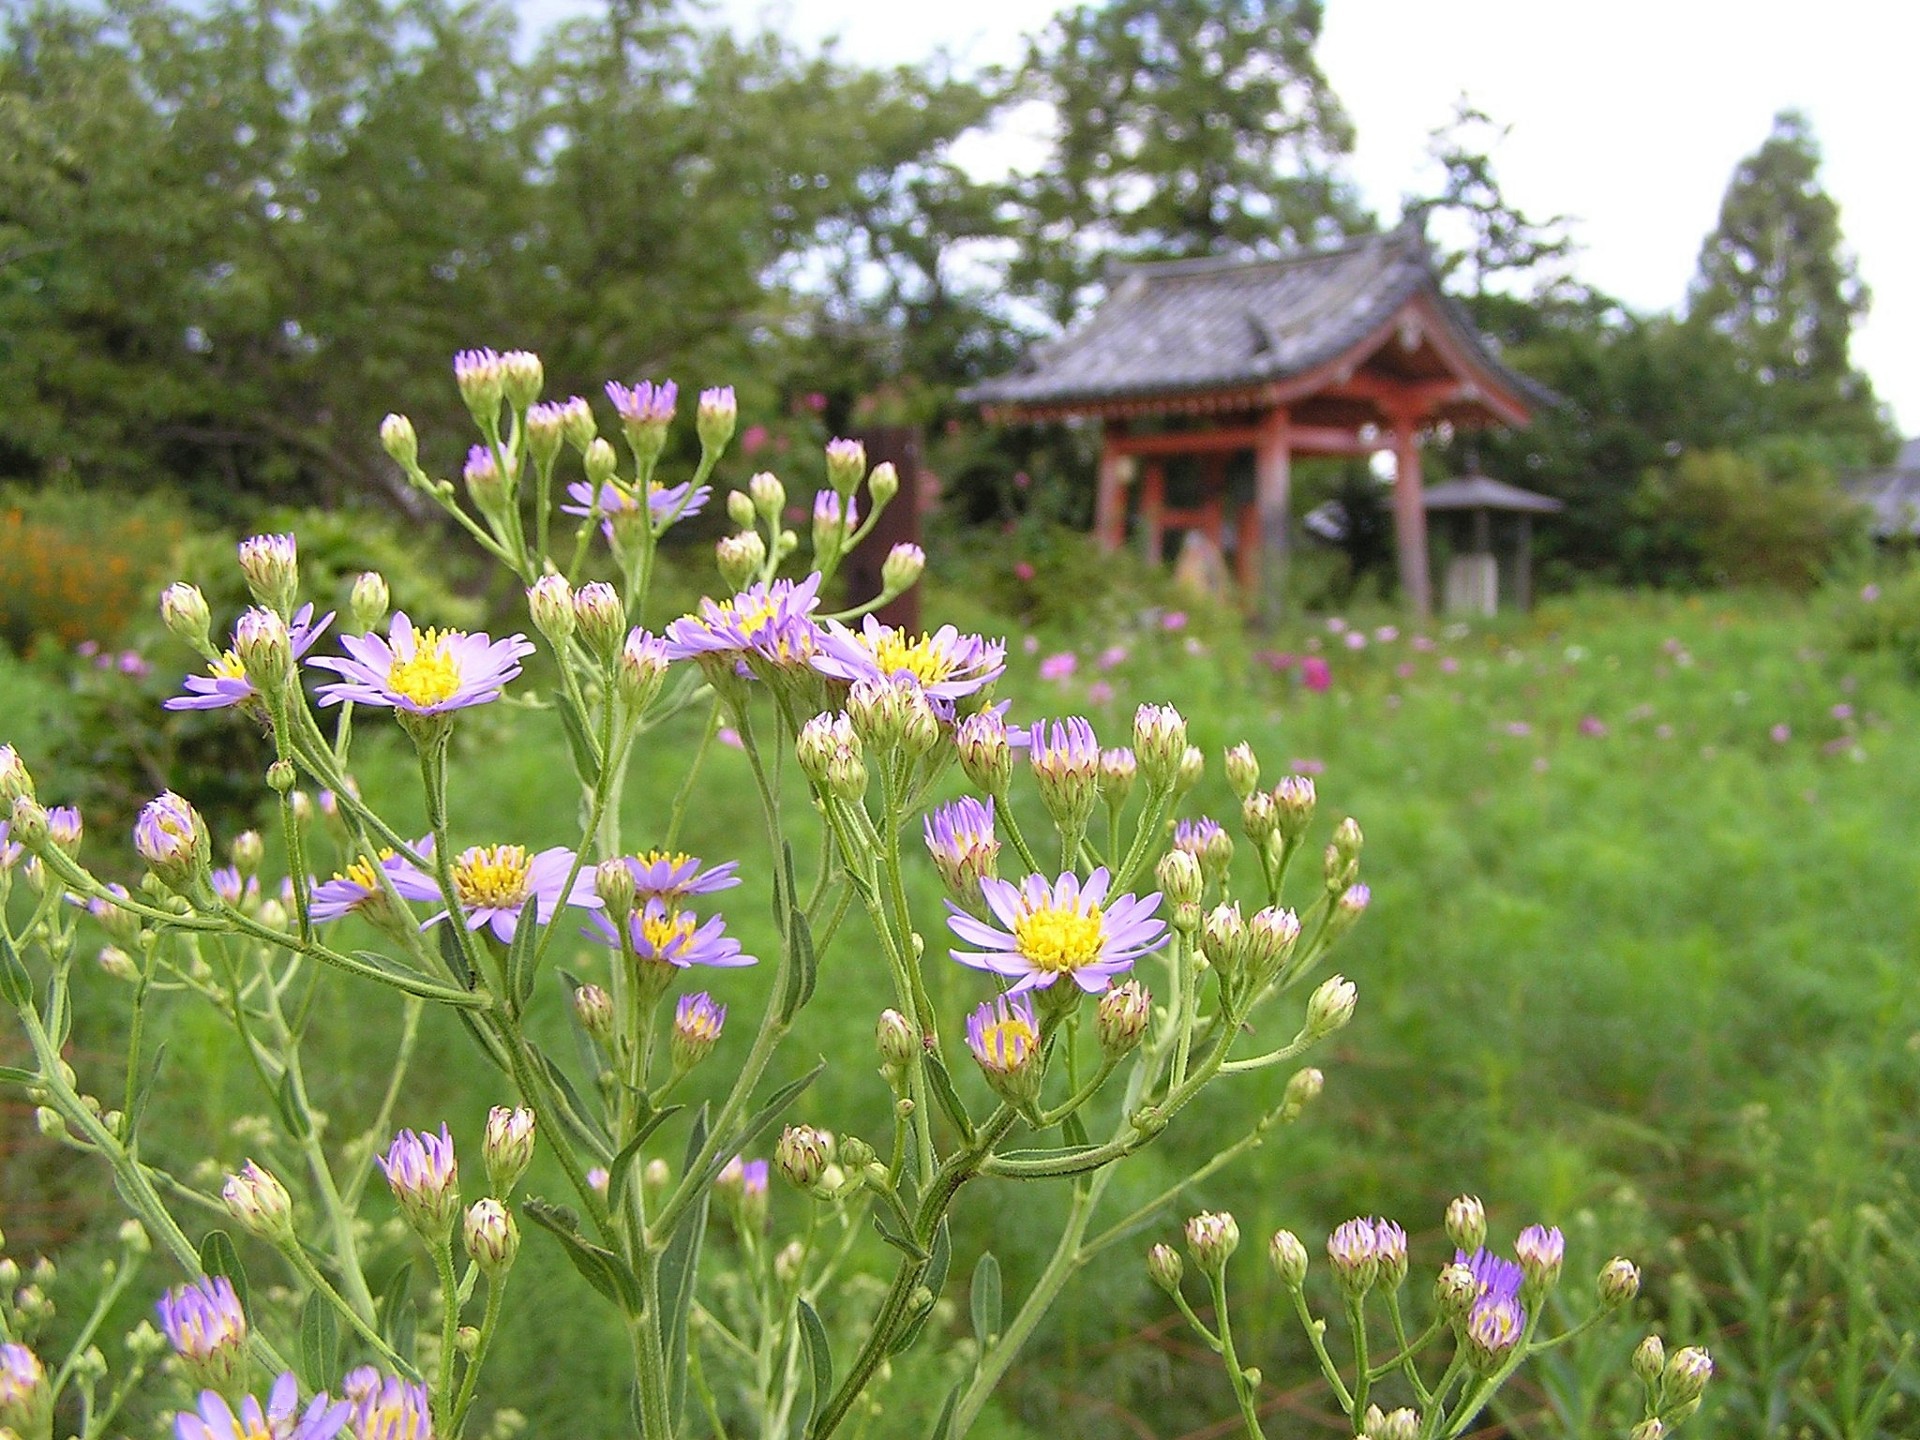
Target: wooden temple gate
x,y
1343,352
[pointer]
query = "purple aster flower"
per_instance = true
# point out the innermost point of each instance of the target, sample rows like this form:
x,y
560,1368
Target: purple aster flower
x,y
424,1175
1065,928
494,882
423,672
357,888
168,834
22,1381
1004,1036
1496,1277
203,1318
771,621
226,682
645,403
1541,1249
1068,747
665,935
961,839
697,1023
280,1420
946,663
1194,836
619,510
673,874
228,885
387,1407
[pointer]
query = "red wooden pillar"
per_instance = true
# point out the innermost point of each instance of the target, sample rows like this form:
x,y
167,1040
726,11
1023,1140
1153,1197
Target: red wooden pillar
x,y
1153,504
1265,572
1410,518
900,521
1110,499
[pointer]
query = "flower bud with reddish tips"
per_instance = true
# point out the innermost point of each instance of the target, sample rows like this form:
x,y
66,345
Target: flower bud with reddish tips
x,y
904,565
1347,910
507,1147
1180,879
803,1155
521,377
1540,1249
259,1203
893,1037
1330,1006
985,753
368,601
1618,1282
546,433
1390,1248
550,603
1212,1237
1353,1255
641,670
1121,1019
184,609
1685,1377
15,781
1289,1258
740,557
1259,816
1467,1223
271,564
1294,801
601,619
1165,1268
697,1023
1223,940
599,460
846,465
1401,1424
593,1007
1454,1291
398,439
492,1236
1649,1358
1271,935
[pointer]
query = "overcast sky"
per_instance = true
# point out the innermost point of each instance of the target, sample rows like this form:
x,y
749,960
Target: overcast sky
x,y
1628,116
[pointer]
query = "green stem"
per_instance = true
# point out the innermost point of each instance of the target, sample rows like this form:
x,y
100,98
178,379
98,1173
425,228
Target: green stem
x,y
1243,1389
304,1267
1317,1338
443,1383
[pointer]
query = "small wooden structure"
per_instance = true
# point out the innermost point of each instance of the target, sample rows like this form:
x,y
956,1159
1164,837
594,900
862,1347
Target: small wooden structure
x,y
1473,574
1344,351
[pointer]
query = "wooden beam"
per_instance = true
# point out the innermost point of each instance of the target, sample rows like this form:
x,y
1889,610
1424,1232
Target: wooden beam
x,y
1110,501
1272,486
1410,518
1419,396
1188,442
1328,440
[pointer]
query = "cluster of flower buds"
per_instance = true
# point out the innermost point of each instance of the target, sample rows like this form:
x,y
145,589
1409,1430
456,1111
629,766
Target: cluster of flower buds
x,y
271,564
890,712
1401,1424
1212,1237
830,755
986,753
805,1156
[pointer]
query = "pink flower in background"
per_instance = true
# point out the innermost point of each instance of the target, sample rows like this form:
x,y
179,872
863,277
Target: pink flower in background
x,y
1024,572
1449,665
1387,634
1869,593
1781,733
1278,661
1195,645
1030,644
133,663
1592,726
1111,656
1307,765
1404,670
1663,732
815,401
753,439
1355,640
1021,480
1315,674
1174,620
727,735
1422,643
1099,692
1336,625
1060,666
1518,729
1842,711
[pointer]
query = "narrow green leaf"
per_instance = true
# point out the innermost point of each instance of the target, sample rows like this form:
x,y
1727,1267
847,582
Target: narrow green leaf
x,y
219,1257
945,1423
16,984
293,1114
803,968
935,1280
12,1075
903,1243
319,1357
679,1269
984,1299
398,1319
584,1124
601,1268
1069,1152
520,973
586,764
145,1089
59,1012
949,1098
758,1123
819,1357
450,952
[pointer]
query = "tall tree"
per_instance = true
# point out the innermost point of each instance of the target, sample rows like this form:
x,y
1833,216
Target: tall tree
x,y
1181,127
1775,278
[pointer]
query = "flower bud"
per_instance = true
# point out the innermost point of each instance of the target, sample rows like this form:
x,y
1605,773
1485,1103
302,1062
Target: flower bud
x,y
697,1023
271,564
1390,1249
790,1264
521,376
833,522
1289,1258
740,509
1347,910
1650,1429
1401,1424
260,1203
507,1148
818,742
1685,1377
1540,1250
803,1154
1493,1328
1223,940
546,433
117,964
1165,1267
1340,870
550,603
1302,1090
486,486
1259,817
492,1237
1121,1019
15,780
640,670
740,557
65,830
1212,1237
184,609
1347,839
1159,743
1243,770
883,484
601,618
985,754
599,460
424,1176
1294,800
1271,936
1353,1255
399,441
170,836
1180,879
769,496
1004,1036
1117,767
247,851
593,1008
893,1037
1467,1223
1618,1283
265,647
846,465
657,1175
482,384
26,1400
874,707
1330,1006
1649,1359
718,413
903,566
1454,1291
1193,765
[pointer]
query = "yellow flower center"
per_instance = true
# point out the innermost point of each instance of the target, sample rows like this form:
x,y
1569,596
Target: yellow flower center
x,y
1005,1044
228,667
362,873
1059,940
492,877
661,932
673,860
752,621
895,651
430,675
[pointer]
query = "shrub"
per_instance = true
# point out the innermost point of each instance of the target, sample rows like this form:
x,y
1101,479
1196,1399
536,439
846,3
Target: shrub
x,y
1719,518
77,564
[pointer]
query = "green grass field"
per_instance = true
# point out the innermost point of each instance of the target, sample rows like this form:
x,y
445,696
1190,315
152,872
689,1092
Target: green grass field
x,y
1644,907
